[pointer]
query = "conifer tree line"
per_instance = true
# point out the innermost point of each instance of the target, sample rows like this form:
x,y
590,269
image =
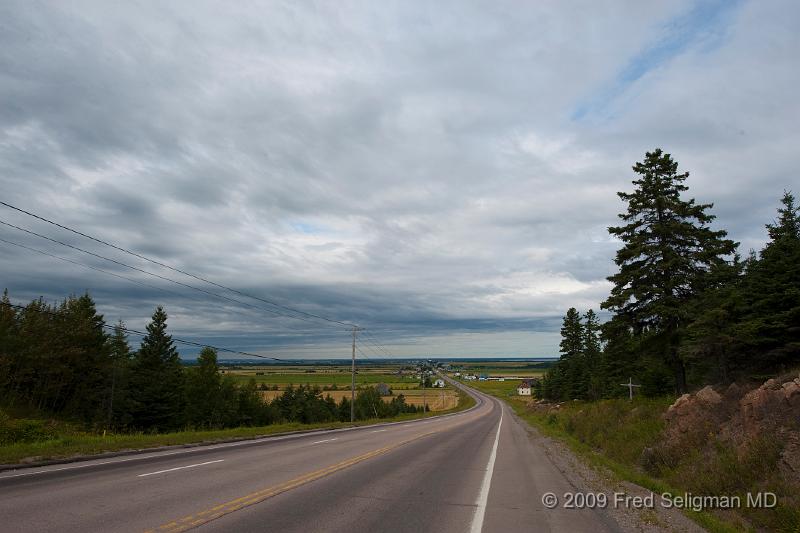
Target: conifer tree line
x,y
59,360
686,309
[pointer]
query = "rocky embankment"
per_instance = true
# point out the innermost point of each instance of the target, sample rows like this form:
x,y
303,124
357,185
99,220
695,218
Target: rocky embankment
x,y
741,417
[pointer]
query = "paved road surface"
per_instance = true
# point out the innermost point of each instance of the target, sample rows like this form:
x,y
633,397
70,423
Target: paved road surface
x,y
471,471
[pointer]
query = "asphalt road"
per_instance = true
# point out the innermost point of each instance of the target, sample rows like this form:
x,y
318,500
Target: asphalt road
x,y
471,471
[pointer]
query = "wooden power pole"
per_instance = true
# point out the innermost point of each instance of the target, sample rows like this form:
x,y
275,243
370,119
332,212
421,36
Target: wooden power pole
x,y
353,379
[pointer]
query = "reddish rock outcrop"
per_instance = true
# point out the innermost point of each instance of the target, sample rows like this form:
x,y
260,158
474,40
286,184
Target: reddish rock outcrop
x,y
769,406
740,416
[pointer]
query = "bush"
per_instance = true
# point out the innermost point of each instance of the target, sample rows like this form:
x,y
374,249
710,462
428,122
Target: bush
x,y
13,431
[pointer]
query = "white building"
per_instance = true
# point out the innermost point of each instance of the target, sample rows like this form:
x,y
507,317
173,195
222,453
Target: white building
x,y
439,383
525,388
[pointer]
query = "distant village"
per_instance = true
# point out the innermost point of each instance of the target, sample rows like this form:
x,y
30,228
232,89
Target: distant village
x,y
525,388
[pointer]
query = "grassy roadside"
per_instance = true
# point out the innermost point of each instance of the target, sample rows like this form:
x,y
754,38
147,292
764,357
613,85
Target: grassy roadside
x,y
610,436
65,443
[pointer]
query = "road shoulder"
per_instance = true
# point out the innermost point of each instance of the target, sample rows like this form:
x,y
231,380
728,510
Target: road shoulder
x,y
590,479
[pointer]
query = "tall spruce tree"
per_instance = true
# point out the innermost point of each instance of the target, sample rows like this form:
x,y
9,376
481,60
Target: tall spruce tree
x,y
592,354
83,359
119,393
157,385
204,398
771,286
712,344
572,360
8,344
668,249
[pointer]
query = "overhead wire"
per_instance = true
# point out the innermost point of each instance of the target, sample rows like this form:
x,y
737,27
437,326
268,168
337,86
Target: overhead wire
x,y
377,349
175,269
306,316
97,269
375,342
200,289
176,339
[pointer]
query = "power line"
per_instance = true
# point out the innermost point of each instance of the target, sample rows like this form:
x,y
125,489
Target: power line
x,y
88,266
304,315
159,263
181,341
376,343
374,349
78,263
210,293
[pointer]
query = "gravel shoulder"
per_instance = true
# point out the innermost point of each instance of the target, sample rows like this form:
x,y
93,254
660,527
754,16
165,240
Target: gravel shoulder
x,y
586,478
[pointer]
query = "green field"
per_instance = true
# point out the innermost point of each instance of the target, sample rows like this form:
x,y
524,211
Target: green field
x,y
501,389
525,369
322,379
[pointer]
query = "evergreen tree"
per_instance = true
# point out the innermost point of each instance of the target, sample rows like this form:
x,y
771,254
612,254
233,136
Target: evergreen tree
x,y
85,329
770,326
119,394
712,342
204,392
572,360
592,353
344,409
250,404
619,359
668,250
9,343
157,386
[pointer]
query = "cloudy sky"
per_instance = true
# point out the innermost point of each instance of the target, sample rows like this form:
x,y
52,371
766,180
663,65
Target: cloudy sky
x,y
442,173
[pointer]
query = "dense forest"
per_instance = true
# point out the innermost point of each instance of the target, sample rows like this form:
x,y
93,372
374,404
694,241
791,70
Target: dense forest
x,y
65,360
686,309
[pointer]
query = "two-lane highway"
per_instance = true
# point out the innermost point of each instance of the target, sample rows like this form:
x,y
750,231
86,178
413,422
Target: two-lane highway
x,y
471,471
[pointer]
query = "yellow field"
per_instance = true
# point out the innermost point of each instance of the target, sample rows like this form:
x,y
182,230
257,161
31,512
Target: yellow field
x,y
437,399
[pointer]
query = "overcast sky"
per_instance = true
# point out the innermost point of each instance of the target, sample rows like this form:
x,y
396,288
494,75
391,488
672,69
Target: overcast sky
x,y
440,172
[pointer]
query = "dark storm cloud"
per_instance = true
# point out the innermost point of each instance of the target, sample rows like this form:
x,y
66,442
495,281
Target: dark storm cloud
x,y
442,173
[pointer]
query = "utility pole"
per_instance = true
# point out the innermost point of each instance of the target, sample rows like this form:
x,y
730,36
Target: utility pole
x,y
353,379
424,376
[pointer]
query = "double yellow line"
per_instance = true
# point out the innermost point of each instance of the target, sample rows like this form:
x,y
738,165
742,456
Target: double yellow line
x,y
203,517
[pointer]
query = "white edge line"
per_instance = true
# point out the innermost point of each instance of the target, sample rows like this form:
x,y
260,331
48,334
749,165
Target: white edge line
x,y
377,430
483,496
180,468
323,440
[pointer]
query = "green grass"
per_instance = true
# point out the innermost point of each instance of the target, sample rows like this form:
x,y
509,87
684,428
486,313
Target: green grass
x,y
501,389
62,441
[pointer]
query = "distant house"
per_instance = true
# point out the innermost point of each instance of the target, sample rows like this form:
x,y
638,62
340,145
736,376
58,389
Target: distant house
x,y
439,383
470,377
383,389
483,377
525,388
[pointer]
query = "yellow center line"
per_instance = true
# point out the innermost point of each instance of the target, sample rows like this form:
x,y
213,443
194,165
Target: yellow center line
x,y
205,516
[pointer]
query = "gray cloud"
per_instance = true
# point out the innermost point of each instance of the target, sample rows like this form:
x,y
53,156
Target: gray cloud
x,y
419,168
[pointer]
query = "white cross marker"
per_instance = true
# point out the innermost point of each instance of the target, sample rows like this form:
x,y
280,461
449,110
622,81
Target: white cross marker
x,y
630,386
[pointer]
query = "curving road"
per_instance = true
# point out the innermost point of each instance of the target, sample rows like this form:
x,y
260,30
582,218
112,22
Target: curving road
x,y
471,471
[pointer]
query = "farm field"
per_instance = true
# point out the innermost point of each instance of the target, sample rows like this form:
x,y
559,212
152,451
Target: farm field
x,y
399,379
522,369
437,399
324,376
502,389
